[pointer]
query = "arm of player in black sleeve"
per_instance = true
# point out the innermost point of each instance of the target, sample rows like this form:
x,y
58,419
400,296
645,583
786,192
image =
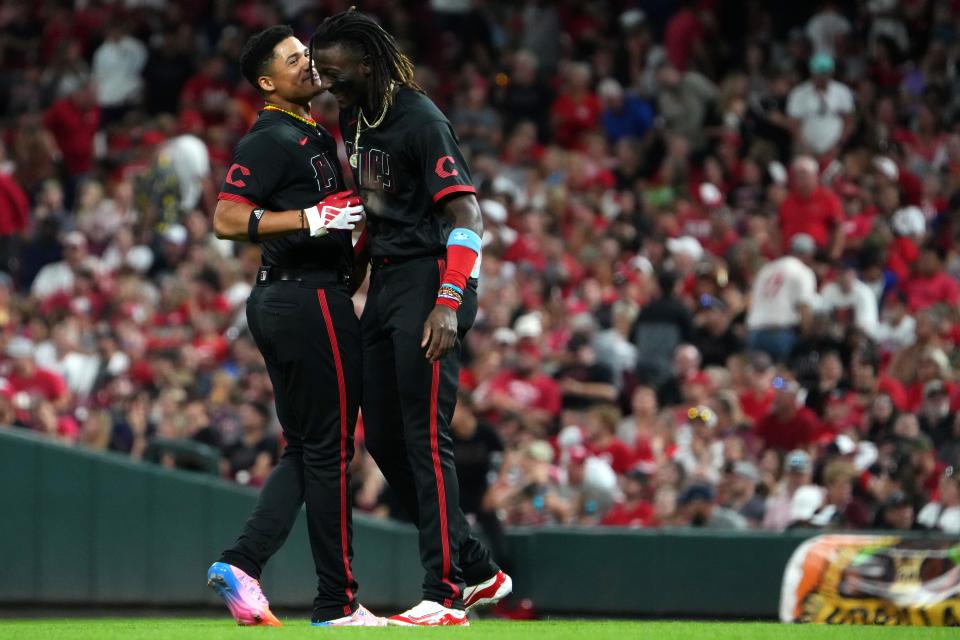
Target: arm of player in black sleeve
x,y
255,173
448,180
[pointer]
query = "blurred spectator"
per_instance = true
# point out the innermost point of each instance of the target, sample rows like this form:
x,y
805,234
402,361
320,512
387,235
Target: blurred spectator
x,y
524,388
811,209
662,325
74,121
821,108
250,459
698,510
943,514
789,425
623,115
58,277
117,65
784,294
634,510
33,385
797,472
849,296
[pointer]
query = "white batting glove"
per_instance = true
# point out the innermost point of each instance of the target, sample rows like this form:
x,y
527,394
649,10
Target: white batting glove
x,y
340,211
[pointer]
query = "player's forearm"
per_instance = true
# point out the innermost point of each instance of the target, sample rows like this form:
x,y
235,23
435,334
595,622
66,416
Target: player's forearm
x,y
231,221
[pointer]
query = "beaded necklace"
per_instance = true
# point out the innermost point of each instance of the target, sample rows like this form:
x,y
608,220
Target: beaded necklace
x,y
309,121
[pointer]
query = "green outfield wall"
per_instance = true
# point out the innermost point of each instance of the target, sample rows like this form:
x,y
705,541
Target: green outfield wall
x,y
78,527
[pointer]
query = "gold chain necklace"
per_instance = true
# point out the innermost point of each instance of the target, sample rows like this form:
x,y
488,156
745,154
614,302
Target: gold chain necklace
x,y
362,120
308,121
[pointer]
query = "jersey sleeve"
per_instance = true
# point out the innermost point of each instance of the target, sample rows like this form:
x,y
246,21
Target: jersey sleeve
x,y
442,166
255,172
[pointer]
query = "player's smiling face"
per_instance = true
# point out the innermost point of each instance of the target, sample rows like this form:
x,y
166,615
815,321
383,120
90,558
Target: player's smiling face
x,y
290,74
343,73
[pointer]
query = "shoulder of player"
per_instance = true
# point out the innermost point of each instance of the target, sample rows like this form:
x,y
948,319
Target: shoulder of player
x,y
419,108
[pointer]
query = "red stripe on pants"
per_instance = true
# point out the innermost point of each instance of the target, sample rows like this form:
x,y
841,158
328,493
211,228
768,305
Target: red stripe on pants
x,y
441,489
342,388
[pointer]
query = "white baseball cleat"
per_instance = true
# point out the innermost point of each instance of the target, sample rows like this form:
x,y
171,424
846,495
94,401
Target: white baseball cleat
x,y
430,614
359,618
487,592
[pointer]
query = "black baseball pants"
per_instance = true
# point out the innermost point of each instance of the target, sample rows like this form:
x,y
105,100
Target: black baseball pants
x,y
407,406
310,338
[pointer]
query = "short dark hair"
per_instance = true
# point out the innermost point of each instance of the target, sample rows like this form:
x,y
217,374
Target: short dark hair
x,y
258,51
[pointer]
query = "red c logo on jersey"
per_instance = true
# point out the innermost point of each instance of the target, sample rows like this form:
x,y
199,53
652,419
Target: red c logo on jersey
x,y
442,172
243,171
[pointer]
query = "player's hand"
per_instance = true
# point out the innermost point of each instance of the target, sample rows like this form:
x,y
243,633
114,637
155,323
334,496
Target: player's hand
x,y
341,210
439,332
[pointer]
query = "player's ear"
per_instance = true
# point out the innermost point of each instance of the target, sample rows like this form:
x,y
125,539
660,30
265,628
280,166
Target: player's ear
x,y
266,83
366,66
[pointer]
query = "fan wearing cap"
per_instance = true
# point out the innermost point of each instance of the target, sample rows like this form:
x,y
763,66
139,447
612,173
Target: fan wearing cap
x,y
524,388
29,378
797,472
822,109
740,492
788,425
782,300
811,208
698,509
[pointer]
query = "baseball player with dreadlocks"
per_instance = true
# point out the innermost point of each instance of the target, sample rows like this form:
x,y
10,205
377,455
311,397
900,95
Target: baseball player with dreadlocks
x,y
424,229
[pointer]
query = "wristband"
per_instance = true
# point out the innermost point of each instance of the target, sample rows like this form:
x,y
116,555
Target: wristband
x,y
450,296
253,224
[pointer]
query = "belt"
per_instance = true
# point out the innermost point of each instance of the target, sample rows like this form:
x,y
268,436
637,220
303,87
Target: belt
x,y
266,275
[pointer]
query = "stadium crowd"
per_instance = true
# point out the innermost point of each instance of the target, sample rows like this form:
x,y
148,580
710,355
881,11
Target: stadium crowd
x,y
720,271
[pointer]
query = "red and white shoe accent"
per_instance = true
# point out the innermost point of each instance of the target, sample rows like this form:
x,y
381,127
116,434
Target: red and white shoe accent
x,y
430,614
490,591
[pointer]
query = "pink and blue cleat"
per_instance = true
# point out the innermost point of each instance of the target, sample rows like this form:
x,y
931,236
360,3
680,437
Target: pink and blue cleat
x,y
242,594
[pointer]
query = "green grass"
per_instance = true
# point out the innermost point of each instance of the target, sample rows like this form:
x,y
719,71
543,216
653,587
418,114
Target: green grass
x,y
208,629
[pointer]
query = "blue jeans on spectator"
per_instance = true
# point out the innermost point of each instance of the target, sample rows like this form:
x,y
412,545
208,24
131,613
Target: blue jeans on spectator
x,y
777,343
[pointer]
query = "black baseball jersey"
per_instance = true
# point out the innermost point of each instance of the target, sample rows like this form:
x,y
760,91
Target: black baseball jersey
x,y
406,167
283,164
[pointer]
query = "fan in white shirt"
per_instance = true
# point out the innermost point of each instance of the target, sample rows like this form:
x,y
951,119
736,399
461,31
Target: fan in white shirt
x,y
944,515
848,292
822,108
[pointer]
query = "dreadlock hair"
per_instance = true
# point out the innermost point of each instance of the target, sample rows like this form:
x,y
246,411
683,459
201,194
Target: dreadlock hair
x,y
363,35
258,51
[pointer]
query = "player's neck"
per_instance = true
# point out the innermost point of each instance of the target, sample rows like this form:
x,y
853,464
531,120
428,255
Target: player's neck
x,y
301,109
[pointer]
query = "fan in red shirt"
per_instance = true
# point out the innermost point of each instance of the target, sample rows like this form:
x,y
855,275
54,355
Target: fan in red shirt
x,y
576,110
28,378
524,388
812,209
74,121
600,425
208,91
756,399
787,426
633,510
930,285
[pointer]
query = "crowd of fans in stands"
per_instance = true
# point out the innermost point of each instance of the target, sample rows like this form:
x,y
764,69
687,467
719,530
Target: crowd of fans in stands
x,y
720,269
